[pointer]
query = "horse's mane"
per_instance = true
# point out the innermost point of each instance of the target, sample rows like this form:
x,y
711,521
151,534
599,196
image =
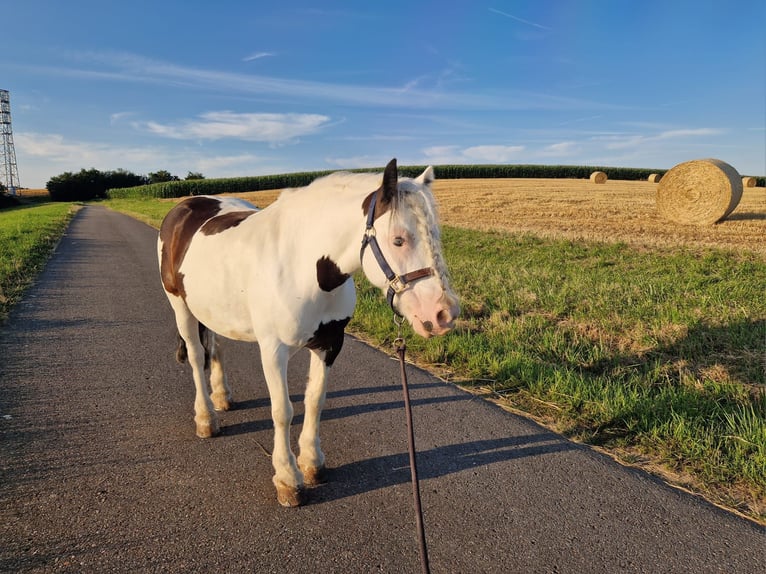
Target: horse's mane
x,y
422,204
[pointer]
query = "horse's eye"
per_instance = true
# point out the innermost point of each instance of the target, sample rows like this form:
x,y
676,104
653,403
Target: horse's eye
x,y
398,241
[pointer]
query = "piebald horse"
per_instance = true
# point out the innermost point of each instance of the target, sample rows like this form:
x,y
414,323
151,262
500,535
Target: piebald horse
x,y
281,277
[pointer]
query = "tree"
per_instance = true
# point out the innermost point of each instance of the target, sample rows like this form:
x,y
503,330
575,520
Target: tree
x,y
83,186
194,175
162,176
124,178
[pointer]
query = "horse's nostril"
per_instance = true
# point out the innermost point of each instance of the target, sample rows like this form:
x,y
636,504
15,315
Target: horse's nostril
x,y
443,317
428,326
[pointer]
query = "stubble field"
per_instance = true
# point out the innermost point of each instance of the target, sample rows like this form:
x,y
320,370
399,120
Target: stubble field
x,y
617,211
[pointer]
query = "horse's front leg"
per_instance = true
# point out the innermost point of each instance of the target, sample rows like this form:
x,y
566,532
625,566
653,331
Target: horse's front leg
x,y
311,457
288,479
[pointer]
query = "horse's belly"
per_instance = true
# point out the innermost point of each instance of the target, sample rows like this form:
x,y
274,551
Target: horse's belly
x,y
218,299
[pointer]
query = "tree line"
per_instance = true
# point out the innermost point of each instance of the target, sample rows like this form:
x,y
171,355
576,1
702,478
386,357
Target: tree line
x,y
91,183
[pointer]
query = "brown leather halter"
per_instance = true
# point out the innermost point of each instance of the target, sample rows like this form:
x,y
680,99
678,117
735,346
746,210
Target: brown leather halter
x,y
397,284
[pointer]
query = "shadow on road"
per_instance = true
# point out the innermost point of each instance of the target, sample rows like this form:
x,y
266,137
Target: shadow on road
x,y
386,471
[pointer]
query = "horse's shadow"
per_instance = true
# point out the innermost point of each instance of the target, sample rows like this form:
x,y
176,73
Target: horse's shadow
x,y
370,474
247,427
385,471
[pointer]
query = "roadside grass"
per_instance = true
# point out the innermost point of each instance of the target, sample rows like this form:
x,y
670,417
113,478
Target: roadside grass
x,y
28,233
657,356
150,211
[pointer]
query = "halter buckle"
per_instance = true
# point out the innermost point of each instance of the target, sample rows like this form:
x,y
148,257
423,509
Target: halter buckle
x,y
398,285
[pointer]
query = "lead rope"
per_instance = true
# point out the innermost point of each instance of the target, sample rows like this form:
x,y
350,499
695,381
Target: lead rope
x,y
401,347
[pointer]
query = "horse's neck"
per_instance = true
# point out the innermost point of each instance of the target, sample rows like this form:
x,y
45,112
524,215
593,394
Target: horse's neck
x,y
325,224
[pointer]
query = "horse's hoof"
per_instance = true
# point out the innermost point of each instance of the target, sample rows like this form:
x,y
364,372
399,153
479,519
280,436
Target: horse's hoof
x,y
221,403
208,430
289,496
314,476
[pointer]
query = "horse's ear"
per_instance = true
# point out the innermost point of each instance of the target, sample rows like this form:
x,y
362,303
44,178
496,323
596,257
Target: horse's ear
x,y
427,177
390,187
386,194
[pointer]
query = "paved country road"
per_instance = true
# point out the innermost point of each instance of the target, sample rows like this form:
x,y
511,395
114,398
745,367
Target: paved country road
x,y
100,470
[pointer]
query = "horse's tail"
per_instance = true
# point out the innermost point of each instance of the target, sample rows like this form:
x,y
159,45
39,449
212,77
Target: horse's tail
x,y
205,339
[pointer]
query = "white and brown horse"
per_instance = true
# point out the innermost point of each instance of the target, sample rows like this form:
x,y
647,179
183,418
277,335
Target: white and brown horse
x,y
281,276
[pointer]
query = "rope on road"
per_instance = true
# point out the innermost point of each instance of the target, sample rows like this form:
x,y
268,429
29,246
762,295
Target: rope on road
x,y
400,349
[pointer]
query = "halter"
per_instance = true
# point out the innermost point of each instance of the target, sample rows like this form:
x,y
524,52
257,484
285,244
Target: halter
x,y
397,284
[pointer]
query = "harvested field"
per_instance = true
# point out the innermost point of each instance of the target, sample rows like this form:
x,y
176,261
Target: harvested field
x,y
616,211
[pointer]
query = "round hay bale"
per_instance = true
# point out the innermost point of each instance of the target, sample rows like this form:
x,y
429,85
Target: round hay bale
x,y
700,192
598,177
654,178
748,182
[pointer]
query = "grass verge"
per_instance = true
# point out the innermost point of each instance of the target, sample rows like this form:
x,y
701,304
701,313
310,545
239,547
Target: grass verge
x,y
28,234
655,356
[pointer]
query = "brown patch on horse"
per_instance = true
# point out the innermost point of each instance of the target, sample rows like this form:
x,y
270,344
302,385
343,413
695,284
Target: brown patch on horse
x,y
226,221
329,275
176,232
329,338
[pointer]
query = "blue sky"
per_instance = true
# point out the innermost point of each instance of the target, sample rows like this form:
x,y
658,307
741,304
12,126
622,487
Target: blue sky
x,y
246,88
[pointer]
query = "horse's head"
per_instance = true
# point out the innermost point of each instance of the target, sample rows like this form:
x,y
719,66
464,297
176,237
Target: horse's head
x,y
402,252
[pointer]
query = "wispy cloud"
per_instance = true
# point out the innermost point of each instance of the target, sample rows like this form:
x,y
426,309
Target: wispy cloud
x,y
49,153
271,128
119,116
473,154
615,142
561,149
512,17
58,149
258,56
124,67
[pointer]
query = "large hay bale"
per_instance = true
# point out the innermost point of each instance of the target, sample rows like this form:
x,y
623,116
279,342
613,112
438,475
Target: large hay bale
x,y
701,192
654,178
748,182
598,177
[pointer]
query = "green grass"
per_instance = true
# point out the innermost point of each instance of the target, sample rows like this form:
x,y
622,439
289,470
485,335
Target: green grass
x,y
654,355
27,236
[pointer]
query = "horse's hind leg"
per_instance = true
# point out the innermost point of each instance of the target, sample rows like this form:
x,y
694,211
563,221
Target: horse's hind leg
x,y
221,393
205,417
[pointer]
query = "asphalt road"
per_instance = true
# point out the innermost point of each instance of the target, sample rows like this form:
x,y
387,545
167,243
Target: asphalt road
x,y
100,469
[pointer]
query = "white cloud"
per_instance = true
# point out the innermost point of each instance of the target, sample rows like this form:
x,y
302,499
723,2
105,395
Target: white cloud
x,y
257,56
560,149
119,116
493,153
355,162
624,141
42,156
669,134
58,150
443,154
512,17
272,128
473,154
127,67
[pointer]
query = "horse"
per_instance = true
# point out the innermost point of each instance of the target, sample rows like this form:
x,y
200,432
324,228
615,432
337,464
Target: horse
x,y
282,277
